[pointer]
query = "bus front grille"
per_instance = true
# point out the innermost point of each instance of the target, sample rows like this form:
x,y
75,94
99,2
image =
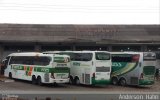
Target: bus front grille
x,y
102,69
134,81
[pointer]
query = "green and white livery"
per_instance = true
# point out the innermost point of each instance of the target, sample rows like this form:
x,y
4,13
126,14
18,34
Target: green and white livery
x,y
133,68
38,67
89,67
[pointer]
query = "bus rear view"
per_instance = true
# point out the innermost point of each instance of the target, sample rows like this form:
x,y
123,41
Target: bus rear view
x,y
149,68
102,68
89,67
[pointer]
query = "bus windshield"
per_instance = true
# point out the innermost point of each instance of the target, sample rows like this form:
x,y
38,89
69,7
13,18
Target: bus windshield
x,y
78,56
31,60
125,57
102,56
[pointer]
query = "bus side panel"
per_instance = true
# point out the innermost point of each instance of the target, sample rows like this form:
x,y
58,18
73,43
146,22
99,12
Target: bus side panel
x,y
82,71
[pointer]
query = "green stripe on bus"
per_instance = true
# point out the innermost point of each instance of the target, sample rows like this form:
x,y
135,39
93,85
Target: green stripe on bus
x,y
146,82
123,69
20,67
100,82
59,59
52,70
42,69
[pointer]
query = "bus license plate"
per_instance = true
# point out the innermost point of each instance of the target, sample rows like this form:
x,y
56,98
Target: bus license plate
x,y
64,77
102,78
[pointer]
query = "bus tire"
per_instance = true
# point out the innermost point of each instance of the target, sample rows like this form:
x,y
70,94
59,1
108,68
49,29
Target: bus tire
x,y
55,84
10,75
39,80
122,82
114,81
34,81
77,81
71,81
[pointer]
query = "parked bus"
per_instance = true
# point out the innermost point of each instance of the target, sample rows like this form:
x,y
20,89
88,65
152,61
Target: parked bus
x,y
133,68
157,75
89,67
158,60
38,67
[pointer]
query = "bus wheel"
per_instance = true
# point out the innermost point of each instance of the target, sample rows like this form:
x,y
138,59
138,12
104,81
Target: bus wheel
x,y
10,75
122,82
114,81
71,80
77,81
34,81
39,81
55,84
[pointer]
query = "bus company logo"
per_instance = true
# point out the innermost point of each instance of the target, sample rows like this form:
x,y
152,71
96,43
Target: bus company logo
x,y
61,65
17,67
59,59
76,64
117,64
44,70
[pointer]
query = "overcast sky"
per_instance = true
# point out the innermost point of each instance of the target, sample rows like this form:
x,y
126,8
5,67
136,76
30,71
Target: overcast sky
x,y
80,11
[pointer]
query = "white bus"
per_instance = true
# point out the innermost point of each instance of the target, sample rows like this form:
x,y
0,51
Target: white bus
x,y
133,68
158,61
38,67
89,67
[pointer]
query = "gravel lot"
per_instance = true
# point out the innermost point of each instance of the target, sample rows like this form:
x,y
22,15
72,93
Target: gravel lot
x,y
19,85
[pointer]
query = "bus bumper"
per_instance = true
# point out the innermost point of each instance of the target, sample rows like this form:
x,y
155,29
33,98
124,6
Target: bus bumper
x,y
100,82
60,80
146,82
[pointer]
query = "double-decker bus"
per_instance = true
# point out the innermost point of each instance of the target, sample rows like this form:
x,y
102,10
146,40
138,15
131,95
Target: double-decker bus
x,y
158,61
89,67
38,67
133,68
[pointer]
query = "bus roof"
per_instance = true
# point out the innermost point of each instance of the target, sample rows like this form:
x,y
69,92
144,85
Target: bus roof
x,y
48,52
31,54
130,52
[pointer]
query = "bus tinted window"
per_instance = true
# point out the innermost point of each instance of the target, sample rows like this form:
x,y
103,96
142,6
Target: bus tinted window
x,y
42,61
122,58
82,56
102,56
16,60
78,56
69,54
30,60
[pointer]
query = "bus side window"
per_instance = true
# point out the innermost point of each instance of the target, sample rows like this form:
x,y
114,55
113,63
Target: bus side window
x,y
41,61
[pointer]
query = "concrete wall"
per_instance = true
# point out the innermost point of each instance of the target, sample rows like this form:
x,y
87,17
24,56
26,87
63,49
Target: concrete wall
x,y
27,37
79,33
